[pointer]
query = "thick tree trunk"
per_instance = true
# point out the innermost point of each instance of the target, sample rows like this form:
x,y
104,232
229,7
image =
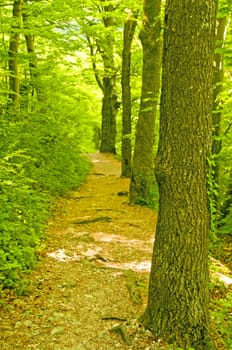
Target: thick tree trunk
x,y
142,177
128,33
177,308
14,81
110,104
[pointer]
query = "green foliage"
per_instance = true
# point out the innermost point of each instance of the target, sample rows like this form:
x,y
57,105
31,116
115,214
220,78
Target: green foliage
x,y
42,145
226,225
57,165
222,319
224,8
224,160
212,195
21,220
38,158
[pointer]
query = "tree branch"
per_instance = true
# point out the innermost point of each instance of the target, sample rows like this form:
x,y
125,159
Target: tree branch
x,y
93,58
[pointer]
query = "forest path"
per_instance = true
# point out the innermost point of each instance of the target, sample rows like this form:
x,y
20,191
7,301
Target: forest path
x,y
91,281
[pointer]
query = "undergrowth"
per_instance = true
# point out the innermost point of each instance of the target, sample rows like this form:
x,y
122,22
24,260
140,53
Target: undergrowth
x,y
222,320
220,304
39,159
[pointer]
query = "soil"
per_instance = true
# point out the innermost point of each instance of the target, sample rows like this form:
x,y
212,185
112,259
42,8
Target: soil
x,y
90,284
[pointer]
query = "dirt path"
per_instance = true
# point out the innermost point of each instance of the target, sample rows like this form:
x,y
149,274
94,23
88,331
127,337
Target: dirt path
x,y
90,284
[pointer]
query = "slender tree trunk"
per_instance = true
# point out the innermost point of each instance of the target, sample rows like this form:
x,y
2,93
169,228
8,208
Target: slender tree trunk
x,y
32,57
142,177
5,67
128,33
177,309
110,104
107,84
13,56
218,87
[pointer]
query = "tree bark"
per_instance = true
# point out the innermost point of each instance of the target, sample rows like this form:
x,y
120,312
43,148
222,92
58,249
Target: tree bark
x,y
14,81
177,309
109,112
142,177
128,33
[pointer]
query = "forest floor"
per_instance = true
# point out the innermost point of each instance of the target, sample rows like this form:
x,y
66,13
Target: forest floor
x,y
90,284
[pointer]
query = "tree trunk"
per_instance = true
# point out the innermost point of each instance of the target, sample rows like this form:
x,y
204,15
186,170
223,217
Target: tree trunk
x,y
32,57
218,87
142,177
109,112
128,33
177,309
110,104
13,56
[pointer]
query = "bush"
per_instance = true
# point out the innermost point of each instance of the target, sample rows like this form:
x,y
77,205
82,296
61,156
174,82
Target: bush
x,y
39,159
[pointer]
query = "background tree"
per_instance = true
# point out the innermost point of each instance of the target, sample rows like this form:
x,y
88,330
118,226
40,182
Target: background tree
x,y
177,308
218,89
36,87
109,104
142,177
101,41
128,33
221,160
14,81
